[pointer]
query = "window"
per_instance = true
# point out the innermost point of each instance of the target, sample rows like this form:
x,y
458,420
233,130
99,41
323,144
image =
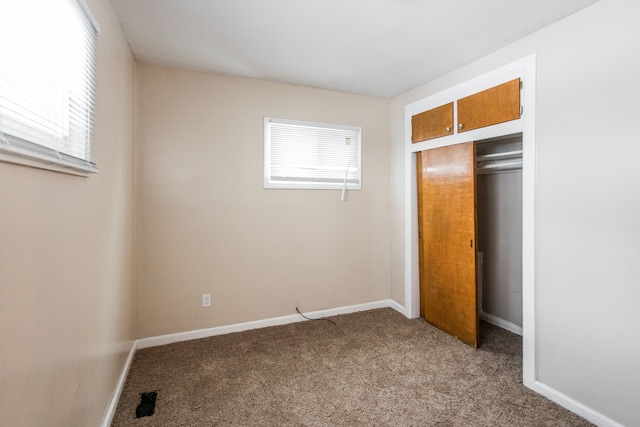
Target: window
x,y
47,78
311,155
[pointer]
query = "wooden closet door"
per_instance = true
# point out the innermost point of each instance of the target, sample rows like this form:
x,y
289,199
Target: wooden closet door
x,y
447,216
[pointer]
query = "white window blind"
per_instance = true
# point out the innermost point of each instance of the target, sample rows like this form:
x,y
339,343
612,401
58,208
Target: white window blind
x,y
47,79
311,155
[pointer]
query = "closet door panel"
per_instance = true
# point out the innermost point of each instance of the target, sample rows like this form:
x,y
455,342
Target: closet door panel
x,y
432,124
492,106
447,215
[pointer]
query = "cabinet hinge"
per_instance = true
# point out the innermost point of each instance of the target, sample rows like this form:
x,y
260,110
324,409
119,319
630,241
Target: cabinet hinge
x,y
521,110
521,84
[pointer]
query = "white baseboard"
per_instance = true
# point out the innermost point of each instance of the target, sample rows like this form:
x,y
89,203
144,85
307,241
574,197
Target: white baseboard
x,y
397,307
113,403
573,405
504,324
274,321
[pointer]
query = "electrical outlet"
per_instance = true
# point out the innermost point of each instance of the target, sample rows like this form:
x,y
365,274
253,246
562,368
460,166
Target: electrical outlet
x,y
206,300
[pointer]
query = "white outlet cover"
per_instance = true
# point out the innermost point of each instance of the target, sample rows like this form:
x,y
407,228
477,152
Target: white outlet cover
x,y
206,300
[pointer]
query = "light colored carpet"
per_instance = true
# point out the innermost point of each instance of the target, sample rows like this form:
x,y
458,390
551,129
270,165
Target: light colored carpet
x,y
374,368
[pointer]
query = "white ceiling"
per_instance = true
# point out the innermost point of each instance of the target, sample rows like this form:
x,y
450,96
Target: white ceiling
x,y
371,47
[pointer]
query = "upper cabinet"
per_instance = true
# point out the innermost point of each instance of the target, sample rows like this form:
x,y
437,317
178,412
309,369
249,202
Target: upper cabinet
x,y
433,123
492,106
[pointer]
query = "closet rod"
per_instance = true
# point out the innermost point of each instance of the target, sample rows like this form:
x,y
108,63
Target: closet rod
x,y
498,156
499,167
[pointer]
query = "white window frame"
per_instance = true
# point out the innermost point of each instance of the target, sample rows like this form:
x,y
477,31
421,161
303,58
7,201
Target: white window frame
x,y
67,146
336,183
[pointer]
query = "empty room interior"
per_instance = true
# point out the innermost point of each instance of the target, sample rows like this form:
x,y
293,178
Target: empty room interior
x,y
180,223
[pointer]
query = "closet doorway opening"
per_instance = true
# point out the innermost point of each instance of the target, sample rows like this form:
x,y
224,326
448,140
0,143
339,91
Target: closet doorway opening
x,y
499,226
470,236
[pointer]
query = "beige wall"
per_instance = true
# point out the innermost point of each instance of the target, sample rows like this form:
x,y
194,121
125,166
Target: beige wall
x,y
587,201
67,300
206,225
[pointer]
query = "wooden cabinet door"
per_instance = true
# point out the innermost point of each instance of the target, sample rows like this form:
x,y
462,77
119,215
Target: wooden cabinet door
x,y
432,124
447,217
492,106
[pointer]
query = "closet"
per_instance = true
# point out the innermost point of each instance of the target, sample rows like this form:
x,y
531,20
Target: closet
x,y
470,216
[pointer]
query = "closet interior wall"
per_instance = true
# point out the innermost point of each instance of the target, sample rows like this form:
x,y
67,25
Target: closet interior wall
x,y
499,219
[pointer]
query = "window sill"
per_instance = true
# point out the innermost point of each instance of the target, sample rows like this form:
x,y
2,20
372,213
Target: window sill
x,y
309,186
10,153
